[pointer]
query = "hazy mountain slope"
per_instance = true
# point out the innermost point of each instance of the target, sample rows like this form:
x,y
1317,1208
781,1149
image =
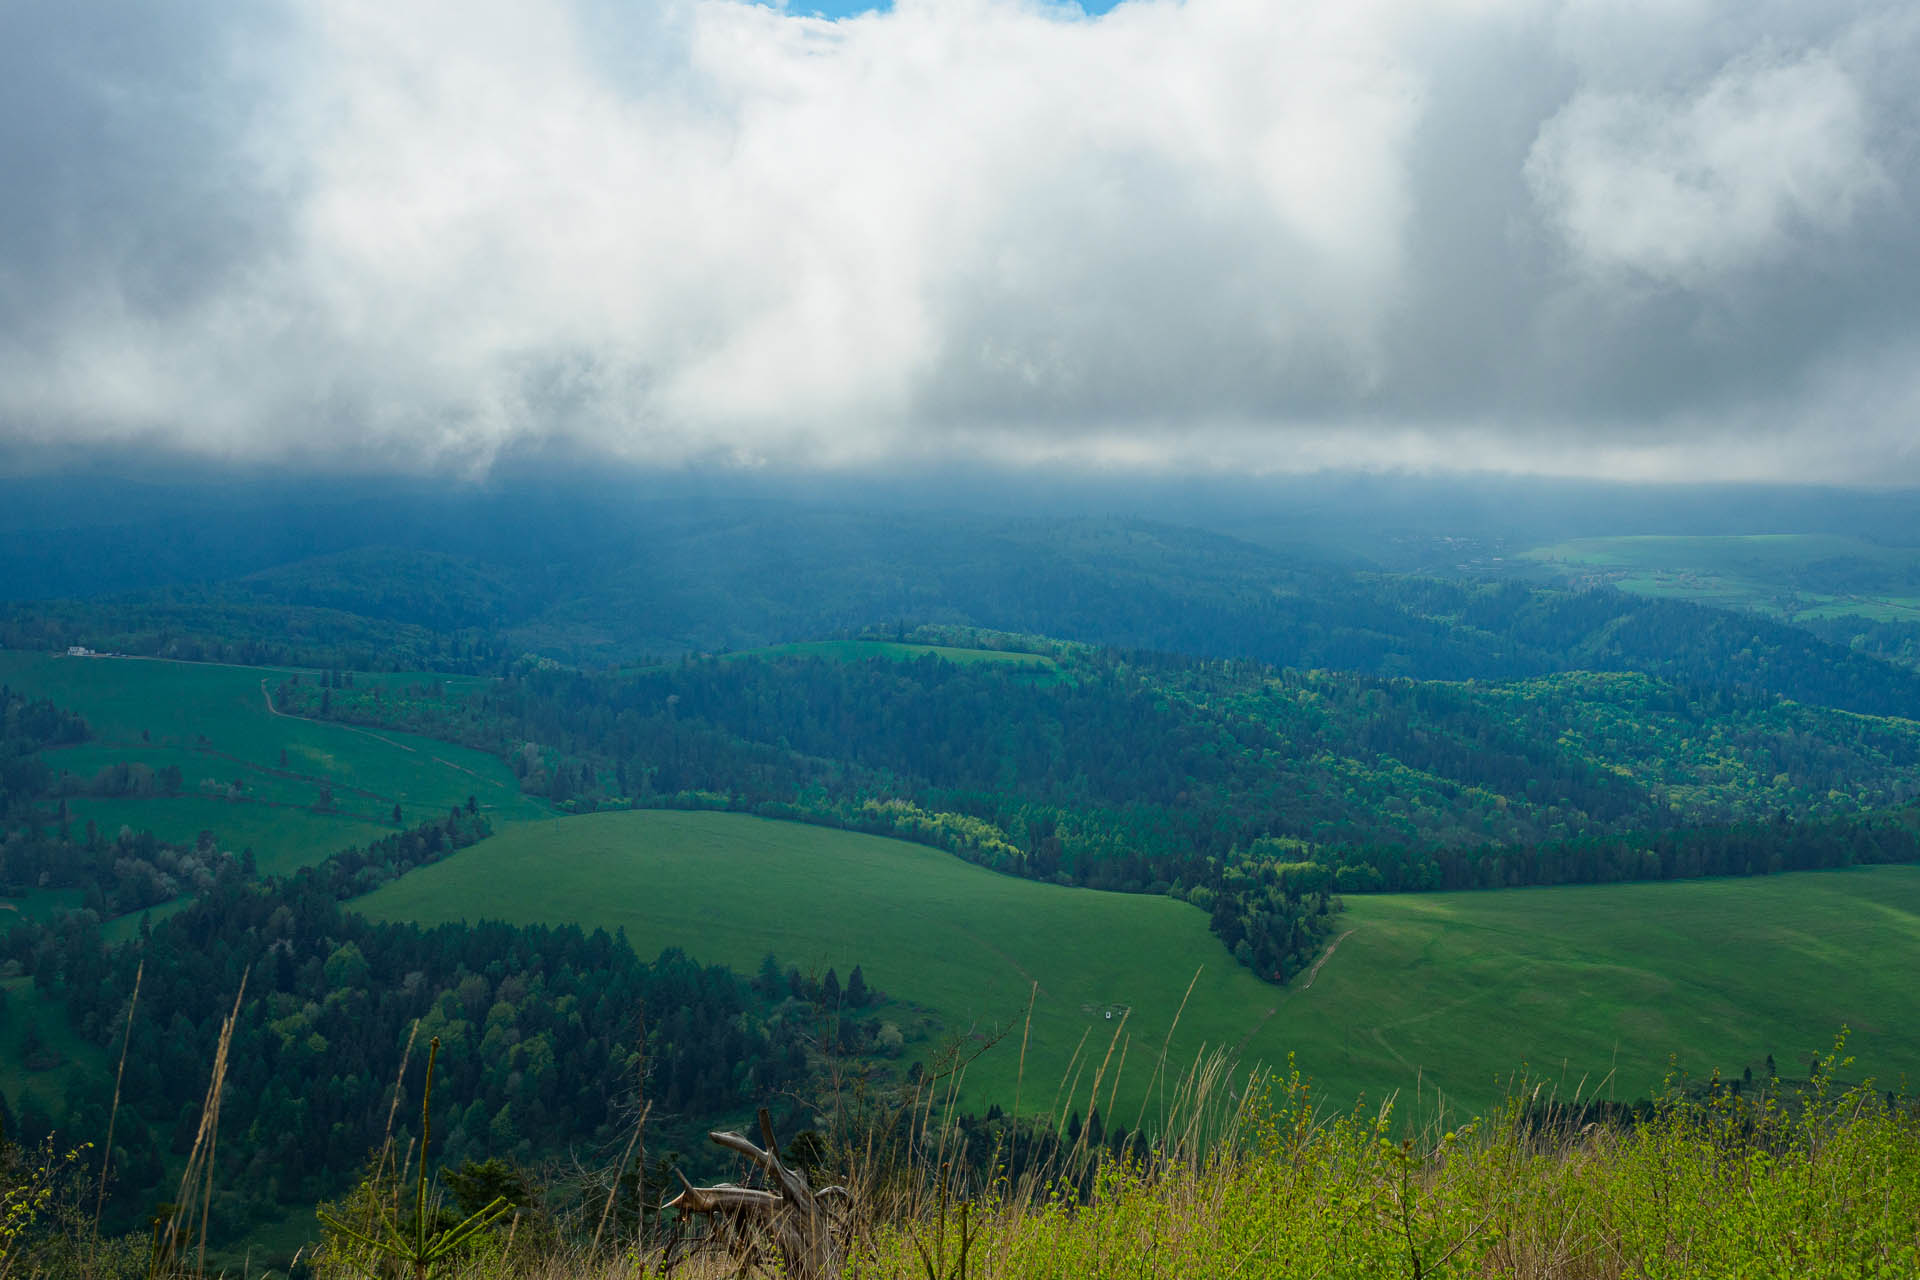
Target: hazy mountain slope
x,y
599,583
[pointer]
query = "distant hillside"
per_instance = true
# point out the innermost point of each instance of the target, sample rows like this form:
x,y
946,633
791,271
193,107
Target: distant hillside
x,y
1218,754
712,579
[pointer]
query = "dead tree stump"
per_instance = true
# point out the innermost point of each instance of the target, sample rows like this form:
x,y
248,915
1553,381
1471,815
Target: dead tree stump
x,y
788,1218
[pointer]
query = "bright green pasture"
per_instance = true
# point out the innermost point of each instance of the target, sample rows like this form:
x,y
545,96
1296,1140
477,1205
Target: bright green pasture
x,y
214,722
206,776
1789,575
926,927
1448,991
282,839
1718,973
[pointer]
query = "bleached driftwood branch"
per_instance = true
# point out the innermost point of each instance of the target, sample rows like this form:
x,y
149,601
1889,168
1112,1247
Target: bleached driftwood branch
x,y
790,1216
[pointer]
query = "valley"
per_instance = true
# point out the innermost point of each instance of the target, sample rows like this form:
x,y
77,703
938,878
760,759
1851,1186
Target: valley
x,y
1796,577
1419,838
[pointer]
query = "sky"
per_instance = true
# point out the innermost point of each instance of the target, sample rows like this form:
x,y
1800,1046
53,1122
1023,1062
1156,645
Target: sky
x,y
1637,239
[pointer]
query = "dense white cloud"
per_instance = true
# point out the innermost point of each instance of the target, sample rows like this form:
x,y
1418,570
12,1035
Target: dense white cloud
x,y
1716,182
1645,239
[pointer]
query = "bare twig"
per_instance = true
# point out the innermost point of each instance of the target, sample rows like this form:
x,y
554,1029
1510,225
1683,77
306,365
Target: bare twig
x,y
106,1155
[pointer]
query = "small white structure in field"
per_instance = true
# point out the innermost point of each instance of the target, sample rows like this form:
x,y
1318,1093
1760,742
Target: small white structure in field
x,y
80,651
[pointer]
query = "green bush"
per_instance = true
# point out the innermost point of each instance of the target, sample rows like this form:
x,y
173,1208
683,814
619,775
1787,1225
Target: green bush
x,y
1705,1183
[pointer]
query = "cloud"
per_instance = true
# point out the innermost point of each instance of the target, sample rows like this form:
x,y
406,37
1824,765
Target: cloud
x,y
1724,180
1670,239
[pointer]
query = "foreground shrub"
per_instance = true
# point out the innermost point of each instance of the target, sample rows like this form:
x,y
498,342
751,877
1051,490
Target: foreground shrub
x,y
1710,1184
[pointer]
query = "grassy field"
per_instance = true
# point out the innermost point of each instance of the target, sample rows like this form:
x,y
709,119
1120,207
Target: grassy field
x,y
1447,991
1792,576
22,1007
215,724
282,837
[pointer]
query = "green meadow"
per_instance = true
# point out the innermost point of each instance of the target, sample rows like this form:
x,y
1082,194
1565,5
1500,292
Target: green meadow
x,y
26,1013
1446,992
249,775
1442,994
1792,576
283,839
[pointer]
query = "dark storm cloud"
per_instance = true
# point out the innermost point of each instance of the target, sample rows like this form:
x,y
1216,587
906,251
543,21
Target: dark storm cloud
x,y
1636,239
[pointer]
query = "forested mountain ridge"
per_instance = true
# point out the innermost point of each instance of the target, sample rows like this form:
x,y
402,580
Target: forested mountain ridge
x,y
733,579
1319,756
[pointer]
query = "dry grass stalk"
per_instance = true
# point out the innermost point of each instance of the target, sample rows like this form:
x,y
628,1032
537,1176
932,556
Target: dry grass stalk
x,y
198,1175
949,1113
393,1107
1114,1090
639,1128
1093,1094
1160,1066
113,1115
606,1210
1026,1032
1056,1116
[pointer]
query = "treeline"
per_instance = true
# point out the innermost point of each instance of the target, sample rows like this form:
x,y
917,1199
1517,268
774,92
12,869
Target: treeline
x,y
27,727
1897,642
546,1033
116,875
1112,756
1675,641
1179,594
1737,849
193,625
1216,753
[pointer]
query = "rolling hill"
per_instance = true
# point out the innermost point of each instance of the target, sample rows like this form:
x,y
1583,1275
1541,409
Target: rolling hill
x,y
1448,992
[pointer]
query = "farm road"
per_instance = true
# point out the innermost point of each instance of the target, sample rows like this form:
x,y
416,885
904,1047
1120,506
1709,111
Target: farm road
x,y
351,728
